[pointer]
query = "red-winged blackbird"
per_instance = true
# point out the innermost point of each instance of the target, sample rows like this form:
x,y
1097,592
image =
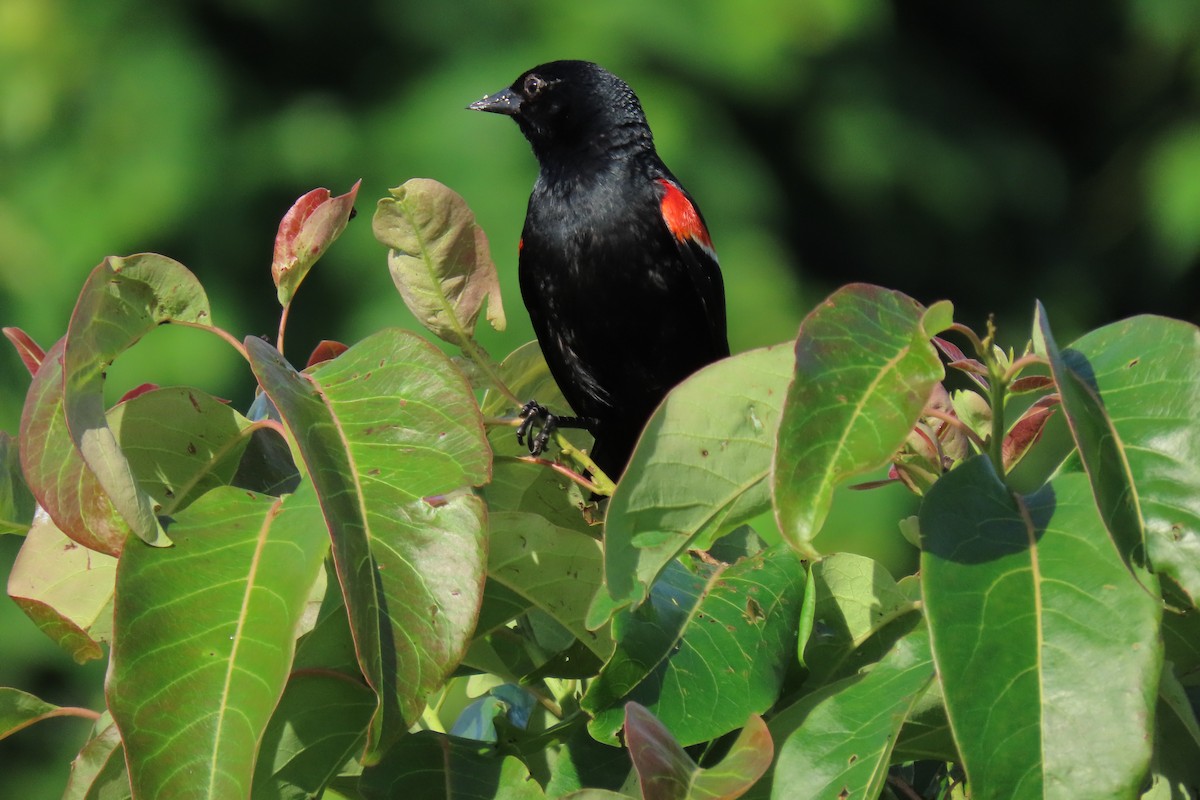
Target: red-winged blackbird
x,y
617,268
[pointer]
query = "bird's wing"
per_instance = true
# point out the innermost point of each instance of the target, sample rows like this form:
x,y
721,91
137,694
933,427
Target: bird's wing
x,y
686,226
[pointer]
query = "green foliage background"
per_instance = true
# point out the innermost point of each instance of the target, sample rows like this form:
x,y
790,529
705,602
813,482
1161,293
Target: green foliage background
x,y
989,152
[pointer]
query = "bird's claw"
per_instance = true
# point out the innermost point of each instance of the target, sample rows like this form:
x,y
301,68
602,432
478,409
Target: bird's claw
x,y
533,413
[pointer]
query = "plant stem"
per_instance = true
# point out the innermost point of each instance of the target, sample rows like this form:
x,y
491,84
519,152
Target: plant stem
x,y
283,319
221,333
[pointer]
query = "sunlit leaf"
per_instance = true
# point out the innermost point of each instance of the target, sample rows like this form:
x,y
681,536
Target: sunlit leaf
x,y
307,230
1147,372
66,589
519,486
700,470
856,599
1100,448
864,369
19,710
64,485
204,636
1034,619
122,300
666,772
391,436
556,569
714,634
439,259
180,442
846,731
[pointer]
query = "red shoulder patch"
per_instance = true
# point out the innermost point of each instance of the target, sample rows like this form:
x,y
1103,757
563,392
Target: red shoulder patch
x,y
681,217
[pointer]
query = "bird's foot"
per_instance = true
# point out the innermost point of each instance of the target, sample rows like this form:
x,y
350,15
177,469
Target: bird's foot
x,y
534,413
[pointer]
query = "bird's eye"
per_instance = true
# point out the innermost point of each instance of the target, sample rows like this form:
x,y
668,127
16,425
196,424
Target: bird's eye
x,y
533,85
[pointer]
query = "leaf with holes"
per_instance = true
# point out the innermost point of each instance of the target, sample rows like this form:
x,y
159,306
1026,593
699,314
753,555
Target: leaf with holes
x,y
713,636
390,434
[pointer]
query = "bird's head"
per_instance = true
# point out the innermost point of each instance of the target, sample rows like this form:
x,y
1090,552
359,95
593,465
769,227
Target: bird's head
x,y
566,106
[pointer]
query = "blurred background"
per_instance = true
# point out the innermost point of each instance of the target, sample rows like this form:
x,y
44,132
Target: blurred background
x,y
990,153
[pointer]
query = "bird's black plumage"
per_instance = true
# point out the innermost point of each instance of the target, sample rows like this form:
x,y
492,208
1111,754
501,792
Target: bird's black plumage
x,y
617,268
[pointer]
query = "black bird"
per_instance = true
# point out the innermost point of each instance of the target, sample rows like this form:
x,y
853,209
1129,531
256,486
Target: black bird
x,y
617,268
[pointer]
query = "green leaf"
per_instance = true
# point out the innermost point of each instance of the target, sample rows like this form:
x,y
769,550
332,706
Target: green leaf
x,y
666,772
64,485
19,710
98,772
519,486
844,741
67,590
439,259
856,599
16,501
700,470
1176,768
317,727
390,434
180,442
1034,620
439,767
1100,447
555,569
864,369
723,633
306,231
200,660
122,300
1181,634
926,734
1147,372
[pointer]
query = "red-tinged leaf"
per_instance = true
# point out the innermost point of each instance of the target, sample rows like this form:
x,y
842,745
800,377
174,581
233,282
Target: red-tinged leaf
x,y
137,391
326,350
664,769
310,226
748,760
1030,383
868,485
67,590
666,772
385,425
958,360
30,353
1026,432
122,300
60,480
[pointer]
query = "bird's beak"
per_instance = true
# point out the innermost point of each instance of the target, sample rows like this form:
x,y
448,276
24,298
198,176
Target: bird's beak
x,y
505,102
